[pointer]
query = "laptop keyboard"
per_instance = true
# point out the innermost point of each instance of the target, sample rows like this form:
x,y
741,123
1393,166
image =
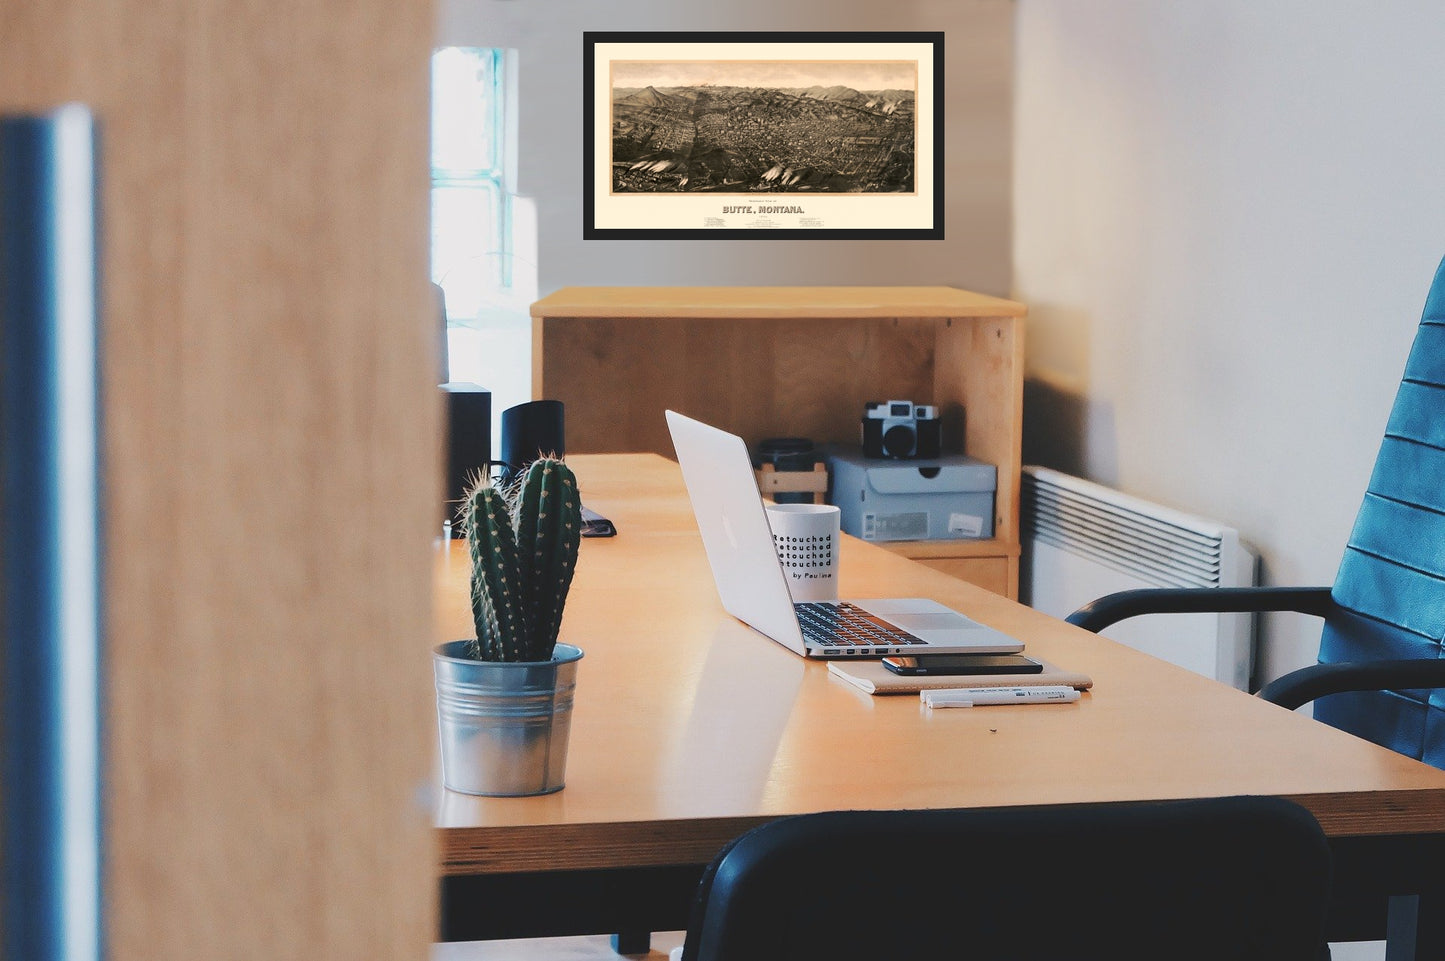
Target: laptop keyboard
x,y
848,628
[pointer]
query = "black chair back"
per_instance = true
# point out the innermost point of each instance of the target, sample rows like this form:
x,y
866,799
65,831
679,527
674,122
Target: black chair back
x,y
1237,878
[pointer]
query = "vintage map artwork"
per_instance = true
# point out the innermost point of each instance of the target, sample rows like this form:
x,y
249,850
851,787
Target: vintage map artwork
x,y
751,135
760,127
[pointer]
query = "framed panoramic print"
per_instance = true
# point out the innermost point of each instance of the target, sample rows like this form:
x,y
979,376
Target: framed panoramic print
x,y
762,135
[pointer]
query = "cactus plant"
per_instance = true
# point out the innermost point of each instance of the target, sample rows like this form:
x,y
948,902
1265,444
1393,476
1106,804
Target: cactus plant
x,y
523,544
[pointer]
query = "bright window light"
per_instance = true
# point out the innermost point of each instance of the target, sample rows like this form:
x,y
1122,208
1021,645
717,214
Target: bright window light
x,y
483,250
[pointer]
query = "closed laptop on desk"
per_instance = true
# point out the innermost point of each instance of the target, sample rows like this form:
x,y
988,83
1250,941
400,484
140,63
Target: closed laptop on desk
x,y
754,589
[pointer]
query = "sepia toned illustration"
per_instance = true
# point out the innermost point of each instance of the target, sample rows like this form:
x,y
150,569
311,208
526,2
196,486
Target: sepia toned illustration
x,y
764,127
744,135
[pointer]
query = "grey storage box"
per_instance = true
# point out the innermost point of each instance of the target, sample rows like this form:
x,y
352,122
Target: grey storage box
x,y
946,498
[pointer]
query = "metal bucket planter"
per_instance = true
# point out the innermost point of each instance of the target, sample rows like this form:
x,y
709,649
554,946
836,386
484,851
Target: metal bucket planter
x,y
504,726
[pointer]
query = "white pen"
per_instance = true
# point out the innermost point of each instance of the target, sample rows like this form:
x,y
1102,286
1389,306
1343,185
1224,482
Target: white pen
x,y
982,696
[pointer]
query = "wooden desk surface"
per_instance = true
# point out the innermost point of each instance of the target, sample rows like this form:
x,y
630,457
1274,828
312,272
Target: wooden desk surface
x,y
689,727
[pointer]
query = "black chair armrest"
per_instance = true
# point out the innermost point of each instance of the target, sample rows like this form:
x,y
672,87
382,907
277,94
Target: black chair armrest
x,y
1099,614
1304,685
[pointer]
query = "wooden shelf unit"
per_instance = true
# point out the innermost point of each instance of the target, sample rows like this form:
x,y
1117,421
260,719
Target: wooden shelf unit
x,y
795,361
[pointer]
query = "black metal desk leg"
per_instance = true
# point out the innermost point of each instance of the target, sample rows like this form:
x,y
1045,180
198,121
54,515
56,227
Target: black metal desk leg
x,y
1416,928
632,942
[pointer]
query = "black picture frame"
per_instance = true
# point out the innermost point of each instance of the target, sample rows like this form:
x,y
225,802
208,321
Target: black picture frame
x,y
779,157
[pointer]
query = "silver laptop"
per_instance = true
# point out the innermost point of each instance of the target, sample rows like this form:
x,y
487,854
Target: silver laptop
x,y
754,588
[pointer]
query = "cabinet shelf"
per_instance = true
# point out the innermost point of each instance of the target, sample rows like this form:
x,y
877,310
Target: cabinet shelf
x,y
794,361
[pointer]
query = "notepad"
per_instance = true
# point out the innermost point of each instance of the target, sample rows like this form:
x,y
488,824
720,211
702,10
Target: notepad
x,y
873,677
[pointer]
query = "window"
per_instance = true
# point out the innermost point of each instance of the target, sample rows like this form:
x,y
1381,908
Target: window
x,y
479,224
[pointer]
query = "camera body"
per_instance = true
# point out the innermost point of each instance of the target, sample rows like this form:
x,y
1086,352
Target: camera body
x,y
901,429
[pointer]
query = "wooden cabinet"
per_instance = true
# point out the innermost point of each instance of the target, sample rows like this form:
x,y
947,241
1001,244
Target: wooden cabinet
x,y
794,361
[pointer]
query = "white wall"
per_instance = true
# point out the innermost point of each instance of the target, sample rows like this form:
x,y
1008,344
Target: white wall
x,y
1227,216
548,36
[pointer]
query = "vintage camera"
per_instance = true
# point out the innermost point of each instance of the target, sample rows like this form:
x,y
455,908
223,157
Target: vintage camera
x,y
901,429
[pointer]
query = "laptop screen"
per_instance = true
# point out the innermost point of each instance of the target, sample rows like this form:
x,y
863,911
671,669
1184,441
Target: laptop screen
x,y
734,527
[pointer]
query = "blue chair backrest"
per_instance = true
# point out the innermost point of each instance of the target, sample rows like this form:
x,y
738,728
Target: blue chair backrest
x,y
1391,584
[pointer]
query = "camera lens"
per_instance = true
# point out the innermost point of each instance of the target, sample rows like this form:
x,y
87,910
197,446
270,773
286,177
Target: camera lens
x,y
899,440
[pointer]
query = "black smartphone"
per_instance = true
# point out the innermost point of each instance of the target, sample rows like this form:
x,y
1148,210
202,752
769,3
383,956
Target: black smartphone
x,y
914,665
595,525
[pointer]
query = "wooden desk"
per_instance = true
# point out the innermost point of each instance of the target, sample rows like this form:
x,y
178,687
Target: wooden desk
x,y
690,728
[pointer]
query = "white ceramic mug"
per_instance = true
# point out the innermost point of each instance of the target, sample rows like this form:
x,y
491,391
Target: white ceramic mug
x,y
806,537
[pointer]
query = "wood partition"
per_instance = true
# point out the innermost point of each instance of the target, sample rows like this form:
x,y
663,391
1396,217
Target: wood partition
x,y
271,465
794,361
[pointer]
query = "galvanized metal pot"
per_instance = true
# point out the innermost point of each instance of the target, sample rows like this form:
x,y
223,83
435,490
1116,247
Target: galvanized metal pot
x,y
504,726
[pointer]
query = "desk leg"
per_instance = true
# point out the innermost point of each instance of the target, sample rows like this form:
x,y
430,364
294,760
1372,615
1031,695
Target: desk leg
x,y
1416,928
632,942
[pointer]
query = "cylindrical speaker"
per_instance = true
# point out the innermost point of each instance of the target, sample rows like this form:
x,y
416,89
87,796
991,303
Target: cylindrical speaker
x,y
530,431
469,442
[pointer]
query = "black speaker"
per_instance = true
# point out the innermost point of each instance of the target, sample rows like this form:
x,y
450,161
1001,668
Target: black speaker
x,y
469,442
530,431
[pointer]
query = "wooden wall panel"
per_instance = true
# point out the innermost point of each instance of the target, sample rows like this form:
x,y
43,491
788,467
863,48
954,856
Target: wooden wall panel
x,y
992,381
762,378
271,438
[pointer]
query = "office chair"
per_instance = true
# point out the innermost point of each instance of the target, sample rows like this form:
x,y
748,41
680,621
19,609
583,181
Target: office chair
x,y
1384,619
1239,878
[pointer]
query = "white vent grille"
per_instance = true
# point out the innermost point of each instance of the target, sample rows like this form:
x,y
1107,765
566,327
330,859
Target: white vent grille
x,y
1160,546
1082,540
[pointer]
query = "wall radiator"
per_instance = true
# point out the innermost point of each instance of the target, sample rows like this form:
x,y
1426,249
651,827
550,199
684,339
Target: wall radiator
x,y
1082,541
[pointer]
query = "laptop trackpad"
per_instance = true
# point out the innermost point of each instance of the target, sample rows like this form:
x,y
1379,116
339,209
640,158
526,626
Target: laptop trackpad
x,y
950,629
924,624
917,614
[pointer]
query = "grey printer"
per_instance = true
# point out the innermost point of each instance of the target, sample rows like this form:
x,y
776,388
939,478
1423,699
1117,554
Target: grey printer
x,y
943,498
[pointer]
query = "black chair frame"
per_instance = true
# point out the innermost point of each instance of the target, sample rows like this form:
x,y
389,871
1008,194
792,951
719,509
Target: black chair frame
x,y
1295,688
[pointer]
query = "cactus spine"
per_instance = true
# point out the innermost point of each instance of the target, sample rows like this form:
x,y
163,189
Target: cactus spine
x,y
523,545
